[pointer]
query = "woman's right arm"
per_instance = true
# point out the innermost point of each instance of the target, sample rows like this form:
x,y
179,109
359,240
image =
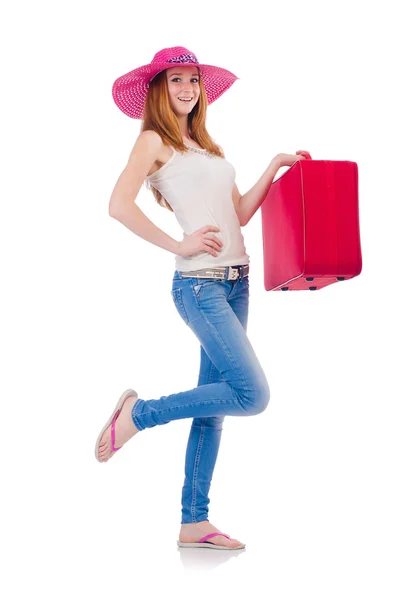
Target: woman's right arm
x,y
122,205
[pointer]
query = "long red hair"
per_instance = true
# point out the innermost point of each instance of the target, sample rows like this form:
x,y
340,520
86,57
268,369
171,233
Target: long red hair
x,y
159,116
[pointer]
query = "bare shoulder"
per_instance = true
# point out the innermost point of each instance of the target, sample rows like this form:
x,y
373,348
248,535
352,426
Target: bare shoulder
x,y
144,159
148,141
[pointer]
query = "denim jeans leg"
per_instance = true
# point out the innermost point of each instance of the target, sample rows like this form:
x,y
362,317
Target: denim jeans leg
x,y
201,453
205,434
243,390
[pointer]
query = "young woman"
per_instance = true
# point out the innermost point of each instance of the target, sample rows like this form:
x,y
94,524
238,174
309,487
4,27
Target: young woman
x,y
189,175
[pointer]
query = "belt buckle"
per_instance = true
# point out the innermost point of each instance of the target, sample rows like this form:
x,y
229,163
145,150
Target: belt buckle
x,y
234,273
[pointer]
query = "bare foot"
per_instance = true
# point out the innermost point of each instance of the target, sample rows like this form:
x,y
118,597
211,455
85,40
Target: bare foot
x,y
124,430
193,532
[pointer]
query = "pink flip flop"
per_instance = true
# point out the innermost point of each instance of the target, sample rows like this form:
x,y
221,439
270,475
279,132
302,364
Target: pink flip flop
x,y
112,420
204,544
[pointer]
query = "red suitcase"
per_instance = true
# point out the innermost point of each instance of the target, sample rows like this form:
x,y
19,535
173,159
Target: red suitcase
x,y
310,226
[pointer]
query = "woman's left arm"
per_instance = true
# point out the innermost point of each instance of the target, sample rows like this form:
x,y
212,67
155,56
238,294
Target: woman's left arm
x,y
247,204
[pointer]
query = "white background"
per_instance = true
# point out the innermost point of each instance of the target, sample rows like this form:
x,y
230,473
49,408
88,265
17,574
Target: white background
x,y
308,485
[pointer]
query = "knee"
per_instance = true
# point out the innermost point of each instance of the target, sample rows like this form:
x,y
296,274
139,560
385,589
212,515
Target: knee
x,y
215,422
257,399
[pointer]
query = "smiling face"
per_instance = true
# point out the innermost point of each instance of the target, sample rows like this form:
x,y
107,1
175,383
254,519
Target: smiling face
x,y
183,88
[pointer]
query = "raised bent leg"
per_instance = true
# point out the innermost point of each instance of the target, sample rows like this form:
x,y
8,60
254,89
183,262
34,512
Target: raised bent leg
x,y
242,390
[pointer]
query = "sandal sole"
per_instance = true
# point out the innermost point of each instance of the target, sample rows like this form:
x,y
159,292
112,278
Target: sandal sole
x,y
207,545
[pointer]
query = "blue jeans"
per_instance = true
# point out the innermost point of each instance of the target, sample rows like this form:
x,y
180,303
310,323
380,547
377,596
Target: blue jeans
x,y
231,380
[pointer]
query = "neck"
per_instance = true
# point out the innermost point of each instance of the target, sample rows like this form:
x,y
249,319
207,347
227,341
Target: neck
x,y
183,124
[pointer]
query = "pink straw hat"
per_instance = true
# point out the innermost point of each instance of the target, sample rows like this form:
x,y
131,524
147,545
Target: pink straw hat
x,y
129,91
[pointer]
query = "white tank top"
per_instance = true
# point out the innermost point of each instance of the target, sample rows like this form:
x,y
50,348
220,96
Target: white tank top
x,y
198,187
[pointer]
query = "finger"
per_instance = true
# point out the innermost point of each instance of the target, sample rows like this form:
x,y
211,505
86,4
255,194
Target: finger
x,y
304,153
212,237
210,248
209,228
213,244
217,241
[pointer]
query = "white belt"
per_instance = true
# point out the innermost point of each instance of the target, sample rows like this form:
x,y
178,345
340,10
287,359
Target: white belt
x,y
219,272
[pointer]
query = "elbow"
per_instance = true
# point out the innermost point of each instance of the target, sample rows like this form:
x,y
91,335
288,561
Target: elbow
x,y
112,213
114,209
119,206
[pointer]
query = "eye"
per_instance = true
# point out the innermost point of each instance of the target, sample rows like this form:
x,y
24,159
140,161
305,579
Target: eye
x,y
196,80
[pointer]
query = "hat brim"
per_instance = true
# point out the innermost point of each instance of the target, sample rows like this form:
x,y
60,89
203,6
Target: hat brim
x,y
129,91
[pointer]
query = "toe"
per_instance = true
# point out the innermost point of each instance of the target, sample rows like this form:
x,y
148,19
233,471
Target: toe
x,y
220,540
231,542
